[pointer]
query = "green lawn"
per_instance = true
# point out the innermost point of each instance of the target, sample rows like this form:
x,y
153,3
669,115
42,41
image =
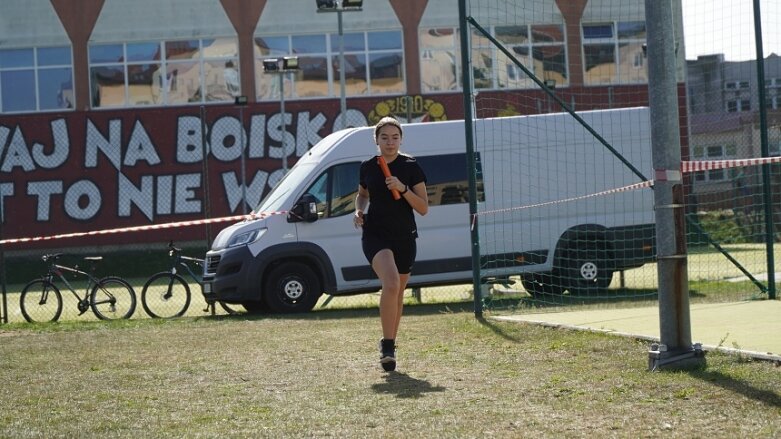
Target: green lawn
x,y
317,375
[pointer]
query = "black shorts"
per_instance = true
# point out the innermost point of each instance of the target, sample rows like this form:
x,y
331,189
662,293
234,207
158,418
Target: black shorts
x,y
404,251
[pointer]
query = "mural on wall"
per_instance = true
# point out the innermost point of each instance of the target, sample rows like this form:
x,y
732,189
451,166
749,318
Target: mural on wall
x,y
76,172
409,108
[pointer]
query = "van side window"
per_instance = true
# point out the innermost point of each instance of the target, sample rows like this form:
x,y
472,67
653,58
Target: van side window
x,y
448,182
335,190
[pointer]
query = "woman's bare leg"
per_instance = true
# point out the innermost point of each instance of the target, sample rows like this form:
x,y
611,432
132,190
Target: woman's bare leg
x,y
390,299
403,278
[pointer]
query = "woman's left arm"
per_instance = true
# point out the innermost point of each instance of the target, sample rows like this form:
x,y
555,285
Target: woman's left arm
x,y
417,197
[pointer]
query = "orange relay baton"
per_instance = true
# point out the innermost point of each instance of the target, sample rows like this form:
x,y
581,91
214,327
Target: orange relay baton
x,y
386,173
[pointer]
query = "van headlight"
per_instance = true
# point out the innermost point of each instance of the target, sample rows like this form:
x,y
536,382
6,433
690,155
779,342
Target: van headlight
x,y
246,237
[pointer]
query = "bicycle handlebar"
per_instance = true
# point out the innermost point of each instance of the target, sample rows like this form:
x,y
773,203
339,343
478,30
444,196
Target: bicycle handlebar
x,y
52,256
172,248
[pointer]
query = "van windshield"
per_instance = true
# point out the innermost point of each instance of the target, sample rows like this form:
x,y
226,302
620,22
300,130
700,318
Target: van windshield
x,y
273,201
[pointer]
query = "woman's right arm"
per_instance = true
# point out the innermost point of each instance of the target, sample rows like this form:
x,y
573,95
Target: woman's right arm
x,y
361,203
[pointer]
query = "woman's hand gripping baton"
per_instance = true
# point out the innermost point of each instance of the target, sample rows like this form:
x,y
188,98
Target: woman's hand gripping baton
x,y
386,173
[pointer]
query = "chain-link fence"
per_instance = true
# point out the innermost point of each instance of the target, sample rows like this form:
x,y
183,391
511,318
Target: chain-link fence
x,y
574,224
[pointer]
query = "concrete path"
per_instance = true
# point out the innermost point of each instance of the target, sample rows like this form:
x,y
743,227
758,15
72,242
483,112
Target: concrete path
x,y
751,327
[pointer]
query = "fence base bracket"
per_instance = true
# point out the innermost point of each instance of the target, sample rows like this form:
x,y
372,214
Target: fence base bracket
x,y
659,358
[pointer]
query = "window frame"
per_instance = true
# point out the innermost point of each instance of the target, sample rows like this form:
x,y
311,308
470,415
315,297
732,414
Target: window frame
x,y
508,70
163,61
705,153
615,41
37,67
331,56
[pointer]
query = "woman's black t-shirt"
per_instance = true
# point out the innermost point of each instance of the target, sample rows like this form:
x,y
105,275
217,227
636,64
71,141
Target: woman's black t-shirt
x,y
386,217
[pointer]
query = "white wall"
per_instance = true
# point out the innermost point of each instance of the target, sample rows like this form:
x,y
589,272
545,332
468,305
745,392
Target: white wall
x,y
28,23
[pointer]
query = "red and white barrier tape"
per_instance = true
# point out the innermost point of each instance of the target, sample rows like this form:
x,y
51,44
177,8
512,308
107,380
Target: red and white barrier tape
x,y
708,165
251,216
641,185
686,166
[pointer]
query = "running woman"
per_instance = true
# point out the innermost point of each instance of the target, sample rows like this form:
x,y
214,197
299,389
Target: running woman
x,y
389,229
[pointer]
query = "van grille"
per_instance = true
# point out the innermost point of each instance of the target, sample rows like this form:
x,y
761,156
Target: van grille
x,y
212,262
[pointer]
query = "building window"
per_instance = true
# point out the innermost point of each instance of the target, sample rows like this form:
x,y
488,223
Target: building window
x,y
164,72
713,152
374,65
36,79
774,148
771,102
738,105
736,85
439,62
613,53
539,48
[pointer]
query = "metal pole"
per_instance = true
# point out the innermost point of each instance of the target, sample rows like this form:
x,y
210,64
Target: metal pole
x,y
284,119
205,171
767,196
342,87
674,320
4,307
243,164
466,74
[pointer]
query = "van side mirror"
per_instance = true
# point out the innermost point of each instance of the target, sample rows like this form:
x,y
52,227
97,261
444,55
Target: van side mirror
x,y
305,209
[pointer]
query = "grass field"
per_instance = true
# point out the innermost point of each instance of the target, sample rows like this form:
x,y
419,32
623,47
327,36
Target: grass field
x,y
316,375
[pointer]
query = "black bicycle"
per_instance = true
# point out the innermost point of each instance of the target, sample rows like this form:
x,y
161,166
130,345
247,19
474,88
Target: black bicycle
x,y
167,294
110,297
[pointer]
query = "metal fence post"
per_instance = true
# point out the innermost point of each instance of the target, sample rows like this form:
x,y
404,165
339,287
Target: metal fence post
x,y
675,349
767,195
466,73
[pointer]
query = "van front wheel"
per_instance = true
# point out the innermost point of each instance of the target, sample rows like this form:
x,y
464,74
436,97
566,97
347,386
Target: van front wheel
x,y
292,287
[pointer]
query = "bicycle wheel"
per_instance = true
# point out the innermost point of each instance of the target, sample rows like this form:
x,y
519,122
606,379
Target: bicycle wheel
x,y
113,298
231,308
40,301
165,295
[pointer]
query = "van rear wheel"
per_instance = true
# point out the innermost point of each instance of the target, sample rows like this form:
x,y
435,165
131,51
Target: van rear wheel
x,y
292,287
544,283
587,270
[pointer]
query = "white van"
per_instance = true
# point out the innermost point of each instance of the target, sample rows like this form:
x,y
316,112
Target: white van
x,y
302,242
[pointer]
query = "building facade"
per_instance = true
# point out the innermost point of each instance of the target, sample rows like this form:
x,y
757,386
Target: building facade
x,y
724,123
122,113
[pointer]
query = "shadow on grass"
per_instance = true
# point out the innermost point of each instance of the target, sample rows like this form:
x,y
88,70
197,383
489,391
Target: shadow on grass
x,y
518,303
347,313
741,387
405,386
497,329
545,301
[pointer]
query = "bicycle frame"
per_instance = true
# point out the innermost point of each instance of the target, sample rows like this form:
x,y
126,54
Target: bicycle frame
x,y
57,270
181,260
175,275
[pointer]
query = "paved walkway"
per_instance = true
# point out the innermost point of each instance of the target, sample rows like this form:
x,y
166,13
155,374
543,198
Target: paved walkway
x,y
752,327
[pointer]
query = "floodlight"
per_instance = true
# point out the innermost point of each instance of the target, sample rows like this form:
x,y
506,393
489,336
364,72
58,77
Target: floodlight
x,y
270,65
326,4
240,101
550,83
290,63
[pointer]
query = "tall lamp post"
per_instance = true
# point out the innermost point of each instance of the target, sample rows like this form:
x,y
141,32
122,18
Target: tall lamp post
x,y
340,6
280,67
